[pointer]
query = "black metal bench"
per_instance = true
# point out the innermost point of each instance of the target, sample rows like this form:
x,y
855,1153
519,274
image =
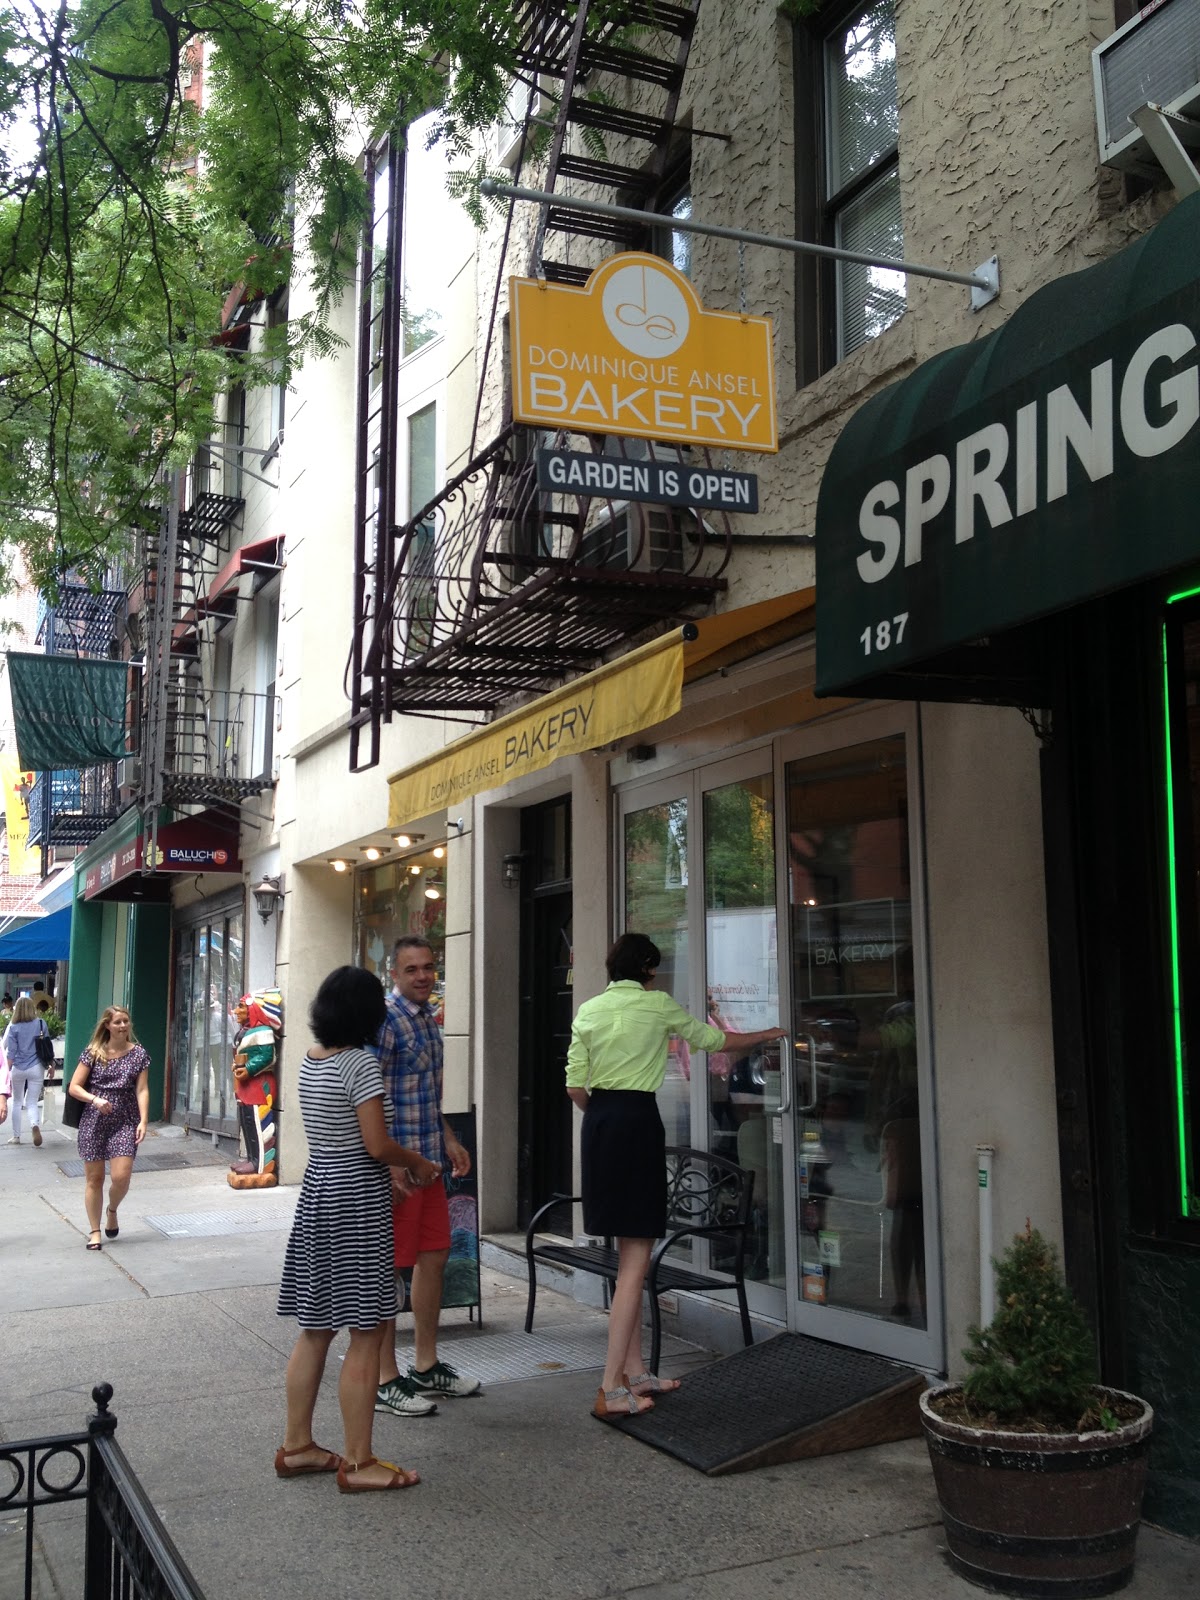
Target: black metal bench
x,y
708,1197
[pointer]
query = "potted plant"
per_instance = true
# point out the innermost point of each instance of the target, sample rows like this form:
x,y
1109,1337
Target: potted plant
x,y
1039,1469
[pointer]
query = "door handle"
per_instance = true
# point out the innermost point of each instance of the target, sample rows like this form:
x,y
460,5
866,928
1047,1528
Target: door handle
x,y
787,1068
811,1103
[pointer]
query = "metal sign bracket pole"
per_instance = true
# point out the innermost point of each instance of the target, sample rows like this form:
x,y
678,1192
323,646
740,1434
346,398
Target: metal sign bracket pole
x,y
984,282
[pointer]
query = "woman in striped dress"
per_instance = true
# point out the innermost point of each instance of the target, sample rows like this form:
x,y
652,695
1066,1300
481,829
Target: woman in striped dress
x,y
337,1272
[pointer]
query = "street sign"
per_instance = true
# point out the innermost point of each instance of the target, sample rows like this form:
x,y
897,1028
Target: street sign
x,y
667,483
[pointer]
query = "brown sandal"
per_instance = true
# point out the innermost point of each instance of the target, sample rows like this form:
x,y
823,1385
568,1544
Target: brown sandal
x,y
400,1479
332,1463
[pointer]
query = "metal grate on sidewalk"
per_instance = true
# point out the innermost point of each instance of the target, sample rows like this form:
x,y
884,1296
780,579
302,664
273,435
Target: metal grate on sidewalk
x,y
511,1357
256,1216
74,1168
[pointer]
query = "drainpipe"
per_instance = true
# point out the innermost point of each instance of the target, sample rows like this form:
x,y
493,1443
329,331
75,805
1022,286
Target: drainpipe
x,y
987,1278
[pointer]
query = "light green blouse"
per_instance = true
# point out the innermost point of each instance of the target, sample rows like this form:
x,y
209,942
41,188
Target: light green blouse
x,y
619,1039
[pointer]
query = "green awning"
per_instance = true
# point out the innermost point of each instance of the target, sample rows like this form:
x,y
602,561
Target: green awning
x,y
1051,461
69,711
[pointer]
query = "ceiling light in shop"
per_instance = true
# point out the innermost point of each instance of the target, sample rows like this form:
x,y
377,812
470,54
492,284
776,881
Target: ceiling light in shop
x,y
439,853
416,871
433,894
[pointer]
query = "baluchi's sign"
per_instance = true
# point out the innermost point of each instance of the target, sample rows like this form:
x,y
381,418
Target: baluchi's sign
x,y
634,352
1055,460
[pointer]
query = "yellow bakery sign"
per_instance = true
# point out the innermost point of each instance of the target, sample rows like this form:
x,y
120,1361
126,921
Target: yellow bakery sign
x,y
634,352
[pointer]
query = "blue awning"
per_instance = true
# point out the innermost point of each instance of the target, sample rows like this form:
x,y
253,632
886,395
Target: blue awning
x,y
37,944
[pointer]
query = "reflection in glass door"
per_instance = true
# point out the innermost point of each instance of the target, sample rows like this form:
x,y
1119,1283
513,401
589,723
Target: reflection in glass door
x,y
208,982
860,1222
742,996
655,852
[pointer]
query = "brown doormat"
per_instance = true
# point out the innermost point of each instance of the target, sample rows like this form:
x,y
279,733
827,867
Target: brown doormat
x,y
783,1400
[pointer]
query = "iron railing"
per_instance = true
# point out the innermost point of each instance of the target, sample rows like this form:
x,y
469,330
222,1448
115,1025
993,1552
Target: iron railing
x,y
127,1553
72,807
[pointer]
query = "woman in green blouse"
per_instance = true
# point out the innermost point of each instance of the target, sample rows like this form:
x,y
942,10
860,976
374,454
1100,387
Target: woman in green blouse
x,y
615,1066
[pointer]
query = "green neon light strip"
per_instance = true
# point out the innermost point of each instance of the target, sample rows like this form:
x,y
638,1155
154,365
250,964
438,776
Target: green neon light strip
x,y
1184,594
1177,1017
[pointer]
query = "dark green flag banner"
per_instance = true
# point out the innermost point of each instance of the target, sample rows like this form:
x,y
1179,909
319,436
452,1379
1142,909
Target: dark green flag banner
x,y
68,712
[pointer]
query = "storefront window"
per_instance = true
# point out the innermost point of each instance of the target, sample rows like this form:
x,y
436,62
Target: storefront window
x,y
209,979
398,899
1181,689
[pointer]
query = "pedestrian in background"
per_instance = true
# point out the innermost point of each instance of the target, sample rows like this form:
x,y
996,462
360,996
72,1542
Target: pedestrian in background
x,y
337,1271
28,1073
615,1067
112,1080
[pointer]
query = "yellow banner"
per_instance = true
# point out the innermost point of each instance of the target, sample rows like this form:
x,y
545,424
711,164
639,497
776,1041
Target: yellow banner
x,y
635,352
24,861
639,690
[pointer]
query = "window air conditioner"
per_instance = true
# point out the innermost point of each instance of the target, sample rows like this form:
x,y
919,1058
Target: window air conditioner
x,y
642,538
1154,58
129,777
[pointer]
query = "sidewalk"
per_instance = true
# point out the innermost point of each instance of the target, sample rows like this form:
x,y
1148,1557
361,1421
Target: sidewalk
x,y
524,1495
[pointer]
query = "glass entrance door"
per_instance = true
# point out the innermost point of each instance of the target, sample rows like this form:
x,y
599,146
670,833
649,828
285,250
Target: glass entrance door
x,y
857,1131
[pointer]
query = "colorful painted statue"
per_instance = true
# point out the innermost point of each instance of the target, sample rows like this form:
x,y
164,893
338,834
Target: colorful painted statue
x,y
255,1077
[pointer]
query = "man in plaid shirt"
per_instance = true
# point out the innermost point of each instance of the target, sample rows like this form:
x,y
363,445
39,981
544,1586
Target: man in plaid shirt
x,y
410,1052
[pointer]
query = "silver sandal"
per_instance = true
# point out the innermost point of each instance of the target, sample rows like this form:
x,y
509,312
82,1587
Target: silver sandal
x,y
654,1384
613,1404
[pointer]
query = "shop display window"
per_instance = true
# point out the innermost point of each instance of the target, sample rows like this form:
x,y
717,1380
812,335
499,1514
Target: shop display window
x,y
397,899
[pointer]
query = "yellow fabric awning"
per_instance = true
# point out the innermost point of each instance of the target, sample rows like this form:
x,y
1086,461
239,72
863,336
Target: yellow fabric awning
x,y
637,691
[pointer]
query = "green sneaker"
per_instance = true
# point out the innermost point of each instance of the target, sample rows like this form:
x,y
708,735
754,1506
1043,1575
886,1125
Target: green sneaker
x,y
443,1381
401,1400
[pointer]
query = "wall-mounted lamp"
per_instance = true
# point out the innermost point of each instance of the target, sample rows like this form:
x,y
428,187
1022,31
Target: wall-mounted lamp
x,y
403,840
268,897
457,824
512,868
339,865
374,852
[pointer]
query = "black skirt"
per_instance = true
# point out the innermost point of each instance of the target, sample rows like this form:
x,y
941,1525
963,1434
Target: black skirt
x,y
623,1156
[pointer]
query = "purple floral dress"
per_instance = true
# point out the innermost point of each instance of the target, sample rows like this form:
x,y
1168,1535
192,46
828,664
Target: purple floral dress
x,y
114,1133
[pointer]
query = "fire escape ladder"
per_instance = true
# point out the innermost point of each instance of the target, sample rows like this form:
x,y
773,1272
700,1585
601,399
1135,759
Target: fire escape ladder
x,y
501,588
611,90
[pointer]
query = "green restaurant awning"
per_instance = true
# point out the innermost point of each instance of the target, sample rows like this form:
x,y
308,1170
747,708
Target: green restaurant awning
x,y
69,711
1046,463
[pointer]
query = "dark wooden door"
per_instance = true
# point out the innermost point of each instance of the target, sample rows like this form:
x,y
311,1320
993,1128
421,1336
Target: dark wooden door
x,y
544,1113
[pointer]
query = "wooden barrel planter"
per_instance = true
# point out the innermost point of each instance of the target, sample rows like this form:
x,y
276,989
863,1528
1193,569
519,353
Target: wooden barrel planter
x,y
1040,1515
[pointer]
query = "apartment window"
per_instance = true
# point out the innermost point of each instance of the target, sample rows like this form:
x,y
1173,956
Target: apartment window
x,y
422,554
427,216
848,180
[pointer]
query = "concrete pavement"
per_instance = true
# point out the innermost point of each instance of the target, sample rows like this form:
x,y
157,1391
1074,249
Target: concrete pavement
x,y
524,1495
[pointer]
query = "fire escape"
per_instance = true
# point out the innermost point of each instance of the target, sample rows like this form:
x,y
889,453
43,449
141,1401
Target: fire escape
x,y
70,807
202,744
498,589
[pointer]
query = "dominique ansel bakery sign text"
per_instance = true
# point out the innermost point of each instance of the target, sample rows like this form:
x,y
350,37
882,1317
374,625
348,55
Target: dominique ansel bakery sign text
x,y
634,352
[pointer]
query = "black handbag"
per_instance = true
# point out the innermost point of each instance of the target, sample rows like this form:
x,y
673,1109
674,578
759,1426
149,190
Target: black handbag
x,y
44,1047
72,1110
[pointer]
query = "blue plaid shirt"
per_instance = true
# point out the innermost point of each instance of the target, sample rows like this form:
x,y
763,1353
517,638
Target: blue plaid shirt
x,y
409,1048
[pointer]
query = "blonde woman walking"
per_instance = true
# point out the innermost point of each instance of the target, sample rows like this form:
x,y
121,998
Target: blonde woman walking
x,y
112,1081
28,1073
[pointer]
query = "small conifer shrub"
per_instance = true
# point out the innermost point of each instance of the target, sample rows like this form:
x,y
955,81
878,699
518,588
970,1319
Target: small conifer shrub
x,y
1036,1362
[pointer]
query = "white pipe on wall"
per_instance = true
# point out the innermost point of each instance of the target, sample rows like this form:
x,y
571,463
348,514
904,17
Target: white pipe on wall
x,y
987,1277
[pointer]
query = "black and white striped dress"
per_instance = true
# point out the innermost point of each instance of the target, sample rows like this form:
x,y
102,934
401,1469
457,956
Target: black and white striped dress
x,y
337,1271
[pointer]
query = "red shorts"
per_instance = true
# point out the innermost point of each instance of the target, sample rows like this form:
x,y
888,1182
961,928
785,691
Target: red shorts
x,y
420,1222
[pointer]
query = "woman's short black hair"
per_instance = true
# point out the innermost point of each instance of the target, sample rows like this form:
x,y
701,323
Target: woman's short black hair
x,y
349,1009
633,956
